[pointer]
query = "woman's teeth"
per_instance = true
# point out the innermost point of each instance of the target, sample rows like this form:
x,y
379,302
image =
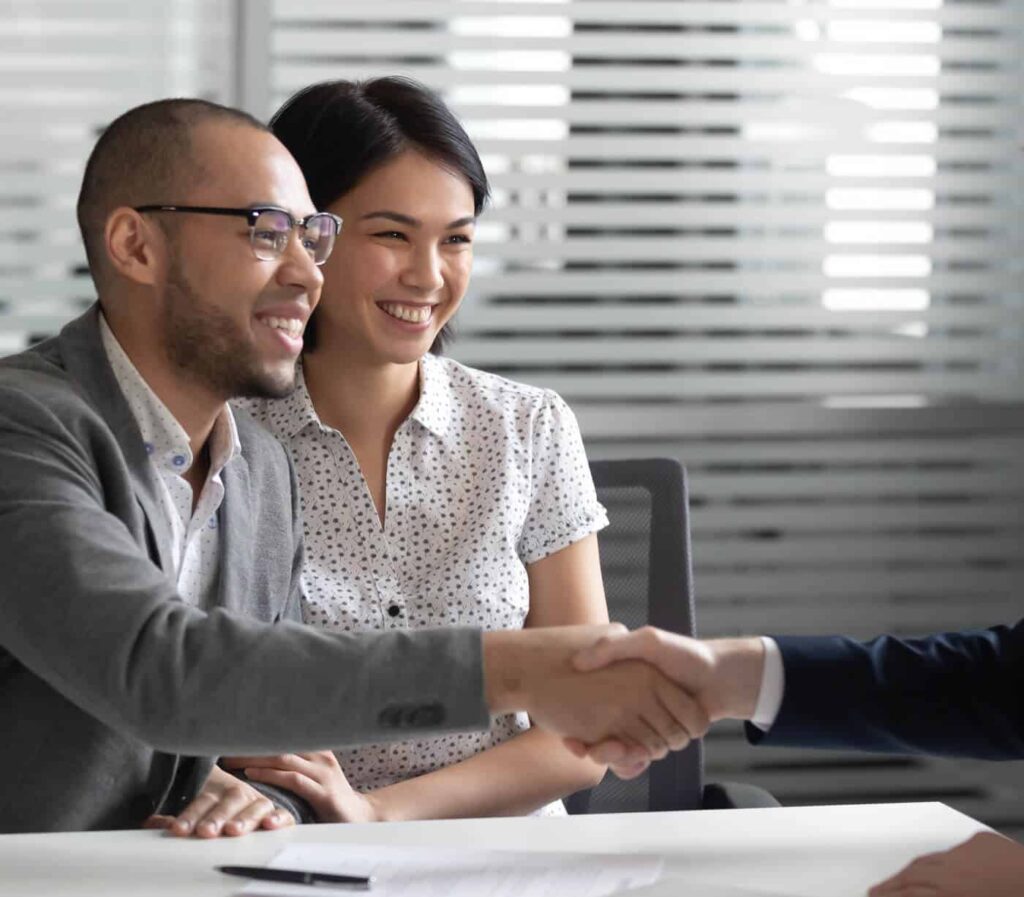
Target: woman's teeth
x,y
414,314
291,326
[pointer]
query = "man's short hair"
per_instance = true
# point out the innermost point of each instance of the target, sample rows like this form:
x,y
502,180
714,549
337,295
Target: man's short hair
x,y
144,156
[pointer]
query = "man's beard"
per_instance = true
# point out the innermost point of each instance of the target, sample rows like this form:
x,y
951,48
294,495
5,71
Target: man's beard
x,y
207,346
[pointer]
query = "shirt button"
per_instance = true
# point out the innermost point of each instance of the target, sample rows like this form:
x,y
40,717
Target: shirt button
x,y
394,610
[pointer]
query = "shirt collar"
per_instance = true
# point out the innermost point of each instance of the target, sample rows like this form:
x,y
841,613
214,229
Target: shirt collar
x,y
292,414
436,405
295,412
166,441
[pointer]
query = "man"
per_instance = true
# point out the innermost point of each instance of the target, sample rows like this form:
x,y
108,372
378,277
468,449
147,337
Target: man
x,y
957,694
151,539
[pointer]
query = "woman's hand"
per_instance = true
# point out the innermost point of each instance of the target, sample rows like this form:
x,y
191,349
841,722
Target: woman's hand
x,y
225,806
316,778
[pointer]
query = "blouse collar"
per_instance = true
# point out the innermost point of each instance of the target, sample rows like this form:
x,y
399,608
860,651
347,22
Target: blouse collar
x,y
433,411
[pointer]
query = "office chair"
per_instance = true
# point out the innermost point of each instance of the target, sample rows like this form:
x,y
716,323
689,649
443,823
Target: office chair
x,y
648,578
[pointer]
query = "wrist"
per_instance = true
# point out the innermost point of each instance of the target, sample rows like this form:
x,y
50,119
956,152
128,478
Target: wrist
x,y
507,666
518,663
736,674
380,808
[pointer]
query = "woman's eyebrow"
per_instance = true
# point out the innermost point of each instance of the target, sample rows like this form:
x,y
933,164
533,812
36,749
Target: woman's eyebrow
x,y
392,216
409,221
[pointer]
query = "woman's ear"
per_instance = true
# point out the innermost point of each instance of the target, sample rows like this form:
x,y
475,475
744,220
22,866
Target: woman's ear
x,y
135,247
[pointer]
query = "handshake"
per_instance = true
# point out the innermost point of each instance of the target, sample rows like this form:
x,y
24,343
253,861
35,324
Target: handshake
x,y
622,698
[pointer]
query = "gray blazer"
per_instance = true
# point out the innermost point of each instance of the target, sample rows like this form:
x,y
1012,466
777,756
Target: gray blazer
x,y
111,685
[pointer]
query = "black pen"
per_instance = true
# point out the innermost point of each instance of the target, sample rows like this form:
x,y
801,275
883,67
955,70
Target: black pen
x,y
295,877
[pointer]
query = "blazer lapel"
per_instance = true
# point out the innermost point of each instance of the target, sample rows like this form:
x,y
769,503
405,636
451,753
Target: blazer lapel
x,y
236,536
86,362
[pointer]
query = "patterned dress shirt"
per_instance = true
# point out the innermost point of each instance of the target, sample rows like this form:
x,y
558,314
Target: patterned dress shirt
x,y
195,534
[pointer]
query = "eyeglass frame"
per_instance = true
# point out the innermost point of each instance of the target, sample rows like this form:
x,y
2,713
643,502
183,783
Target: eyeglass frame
x,y
252,214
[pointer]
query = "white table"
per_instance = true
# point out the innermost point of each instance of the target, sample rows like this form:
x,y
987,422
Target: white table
x,y
804,852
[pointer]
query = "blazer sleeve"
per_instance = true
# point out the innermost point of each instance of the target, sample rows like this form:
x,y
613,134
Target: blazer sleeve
x,y
86,610
955,694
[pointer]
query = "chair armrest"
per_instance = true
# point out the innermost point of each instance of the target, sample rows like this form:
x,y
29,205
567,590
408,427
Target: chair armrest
x,y
736,796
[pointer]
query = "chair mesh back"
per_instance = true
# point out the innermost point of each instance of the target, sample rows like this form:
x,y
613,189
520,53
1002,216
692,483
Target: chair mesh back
x,y
645,561
625,553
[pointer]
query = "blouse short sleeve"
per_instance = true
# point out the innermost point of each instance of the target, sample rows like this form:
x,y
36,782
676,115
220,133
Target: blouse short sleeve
x,y
563,504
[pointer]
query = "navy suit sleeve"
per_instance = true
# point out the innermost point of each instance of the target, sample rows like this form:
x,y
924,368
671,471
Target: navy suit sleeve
x,y
956,694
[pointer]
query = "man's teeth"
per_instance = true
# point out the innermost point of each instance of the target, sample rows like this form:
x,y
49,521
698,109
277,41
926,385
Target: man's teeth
x,y
414,314
291,326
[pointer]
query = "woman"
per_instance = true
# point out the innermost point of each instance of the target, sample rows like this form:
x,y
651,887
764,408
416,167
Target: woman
x,y
433,494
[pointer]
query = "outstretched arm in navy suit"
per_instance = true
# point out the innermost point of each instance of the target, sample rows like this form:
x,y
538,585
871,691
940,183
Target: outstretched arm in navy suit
x,y
959,694
956,694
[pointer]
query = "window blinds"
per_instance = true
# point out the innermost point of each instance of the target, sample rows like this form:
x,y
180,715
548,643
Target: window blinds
x,y
66,70
780,241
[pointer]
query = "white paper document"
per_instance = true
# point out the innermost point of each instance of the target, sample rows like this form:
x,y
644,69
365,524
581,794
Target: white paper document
x,y
692,887
450,872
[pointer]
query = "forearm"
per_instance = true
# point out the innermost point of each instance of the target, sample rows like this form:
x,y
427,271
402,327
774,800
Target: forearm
x,y
519,664
511,779
507,669
955,694
735,677
206,684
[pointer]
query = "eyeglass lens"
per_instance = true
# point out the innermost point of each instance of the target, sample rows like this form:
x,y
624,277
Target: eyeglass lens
x,y
272,230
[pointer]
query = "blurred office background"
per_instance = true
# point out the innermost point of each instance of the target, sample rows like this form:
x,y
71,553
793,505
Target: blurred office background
x,y
780,241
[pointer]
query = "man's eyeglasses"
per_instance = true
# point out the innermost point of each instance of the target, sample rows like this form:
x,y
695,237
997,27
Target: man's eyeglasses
x,y
270,228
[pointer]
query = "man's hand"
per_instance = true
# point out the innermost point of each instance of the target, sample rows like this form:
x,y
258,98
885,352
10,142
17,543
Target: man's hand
x,y
225,806
988,865
317,778
630,702
722,677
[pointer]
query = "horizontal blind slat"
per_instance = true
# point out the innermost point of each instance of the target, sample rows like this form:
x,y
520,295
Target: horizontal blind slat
x,y
637,12
753,81
767,384
805,352
750,282
633,422
744,45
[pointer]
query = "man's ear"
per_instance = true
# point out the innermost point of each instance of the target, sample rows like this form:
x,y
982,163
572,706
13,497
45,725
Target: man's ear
x,y
136,248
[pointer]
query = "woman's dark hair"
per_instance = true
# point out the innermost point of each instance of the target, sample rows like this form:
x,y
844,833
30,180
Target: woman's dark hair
x,y
340,131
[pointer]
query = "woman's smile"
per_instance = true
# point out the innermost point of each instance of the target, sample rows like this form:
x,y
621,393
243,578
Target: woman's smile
x,y
418,315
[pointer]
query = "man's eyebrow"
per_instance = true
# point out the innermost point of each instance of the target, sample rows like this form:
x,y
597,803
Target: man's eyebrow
x,y
409,221
282,206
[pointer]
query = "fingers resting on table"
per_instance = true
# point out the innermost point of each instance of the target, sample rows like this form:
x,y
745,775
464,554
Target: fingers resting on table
x,y
226,806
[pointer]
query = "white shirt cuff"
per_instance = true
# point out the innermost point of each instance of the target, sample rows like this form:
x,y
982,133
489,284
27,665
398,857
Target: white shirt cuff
x,y
773,684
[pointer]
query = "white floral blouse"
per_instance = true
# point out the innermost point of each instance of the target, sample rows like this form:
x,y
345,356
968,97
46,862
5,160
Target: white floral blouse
x,y
485,477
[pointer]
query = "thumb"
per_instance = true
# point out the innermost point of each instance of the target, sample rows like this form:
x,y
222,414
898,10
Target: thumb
x,y
594,657
576,747
617,645
627,770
